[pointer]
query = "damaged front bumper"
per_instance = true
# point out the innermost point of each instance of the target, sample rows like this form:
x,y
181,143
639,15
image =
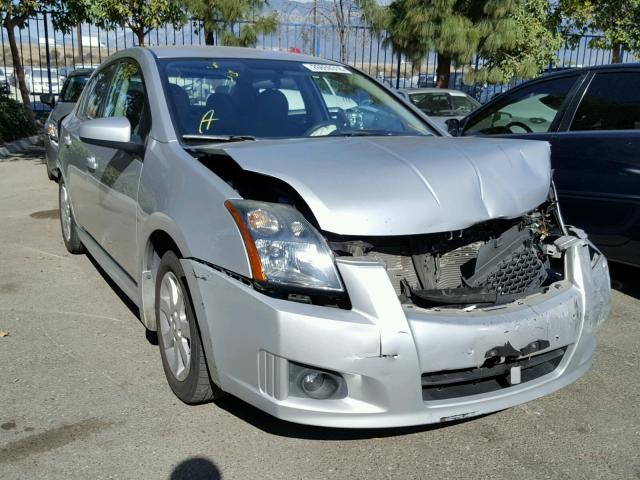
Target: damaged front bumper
x,y
390,354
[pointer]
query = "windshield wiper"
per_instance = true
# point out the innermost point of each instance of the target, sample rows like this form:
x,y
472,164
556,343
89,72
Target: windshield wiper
x,y
368,133
218,138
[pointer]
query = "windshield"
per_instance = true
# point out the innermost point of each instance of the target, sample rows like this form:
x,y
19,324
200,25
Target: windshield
x,y
73,87
280,99
444,104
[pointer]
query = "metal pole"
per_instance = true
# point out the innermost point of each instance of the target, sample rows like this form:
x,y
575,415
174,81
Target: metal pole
x,y
46,49
398,71
316,40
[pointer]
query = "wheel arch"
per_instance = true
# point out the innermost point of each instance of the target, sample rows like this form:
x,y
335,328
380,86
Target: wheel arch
x,y
157,243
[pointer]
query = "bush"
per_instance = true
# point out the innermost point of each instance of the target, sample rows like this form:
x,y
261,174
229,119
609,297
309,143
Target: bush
x,y
14,123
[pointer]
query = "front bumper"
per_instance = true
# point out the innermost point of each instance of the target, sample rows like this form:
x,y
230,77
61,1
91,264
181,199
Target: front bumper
x,y
382,348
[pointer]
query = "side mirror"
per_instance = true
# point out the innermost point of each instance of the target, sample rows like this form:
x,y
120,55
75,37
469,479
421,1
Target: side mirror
x,y
110,132
48,99
453,127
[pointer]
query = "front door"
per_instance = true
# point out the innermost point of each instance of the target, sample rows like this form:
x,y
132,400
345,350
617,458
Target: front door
x,y
117,173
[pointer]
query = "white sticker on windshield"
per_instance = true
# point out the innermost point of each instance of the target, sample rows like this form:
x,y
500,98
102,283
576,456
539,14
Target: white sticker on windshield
x,y
325,68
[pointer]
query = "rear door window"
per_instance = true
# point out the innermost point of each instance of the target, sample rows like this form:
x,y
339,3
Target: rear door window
x,y
531,109
612,102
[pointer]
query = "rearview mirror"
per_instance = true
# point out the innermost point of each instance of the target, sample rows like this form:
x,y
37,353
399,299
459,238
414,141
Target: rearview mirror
x,y
110,132
48,99
453,126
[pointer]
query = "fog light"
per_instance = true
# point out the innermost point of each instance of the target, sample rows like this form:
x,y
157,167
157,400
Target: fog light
x,y
317,384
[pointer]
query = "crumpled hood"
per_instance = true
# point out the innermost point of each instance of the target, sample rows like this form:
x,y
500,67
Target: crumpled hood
x,y
404,185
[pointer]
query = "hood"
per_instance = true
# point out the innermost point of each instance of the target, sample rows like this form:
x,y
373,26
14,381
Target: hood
x,y
62,109
404,185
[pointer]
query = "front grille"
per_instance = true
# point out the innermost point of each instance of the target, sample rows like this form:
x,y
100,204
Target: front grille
x,y
488,378
510,264
520,273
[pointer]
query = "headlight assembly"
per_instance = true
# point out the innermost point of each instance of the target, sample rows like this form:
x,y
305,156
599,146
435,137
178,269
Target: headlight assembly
x,y
52,131
283,248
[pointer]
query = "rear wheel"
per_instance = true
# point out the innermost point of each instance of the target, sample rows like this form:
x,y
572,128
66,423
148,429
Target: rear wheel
x,y
67,222
179,340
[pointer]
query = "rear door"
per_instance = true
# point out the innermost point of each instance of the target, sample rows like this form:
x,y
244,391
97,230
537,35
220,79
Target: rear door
x,y
79,157
597,161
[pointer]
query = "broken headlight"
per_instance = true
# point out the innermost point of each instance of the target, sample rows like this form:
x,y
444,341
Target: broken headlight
x,y
283,248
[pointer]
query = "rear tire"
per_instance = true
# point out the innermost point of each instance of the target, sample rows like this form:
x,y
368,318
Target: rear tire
x,y
181,350
67,222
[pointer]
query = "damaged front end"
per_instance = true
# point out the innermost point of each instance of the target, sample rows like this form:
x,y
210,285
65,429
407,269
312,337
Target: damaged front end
x,y
413,327
491,263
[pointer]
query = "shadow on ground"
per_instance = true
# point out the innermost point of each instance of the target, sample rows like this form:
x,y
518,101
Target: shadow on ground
x,y
133,308
196,468
275,426
624,278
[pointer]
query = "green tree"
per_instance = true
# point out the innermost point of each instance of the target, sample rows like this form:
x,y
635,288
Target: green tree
x,y
456,30
141,16
16,14
617,20
535,46
222,16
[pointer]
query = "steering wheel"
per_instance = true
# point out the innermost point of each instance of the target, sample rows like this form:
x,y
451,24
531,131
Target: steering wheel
x,y
523,126
321,129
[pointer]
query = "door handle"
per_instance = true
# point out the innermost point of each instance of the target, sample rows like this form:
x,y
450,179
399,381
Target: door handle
x,y
92,164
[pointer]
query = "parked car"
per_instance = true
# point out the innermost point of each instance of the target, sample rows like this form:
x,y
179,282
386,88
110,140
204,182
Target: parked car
x,y
71,90
346,266
441,104
5,88
591,117
38,80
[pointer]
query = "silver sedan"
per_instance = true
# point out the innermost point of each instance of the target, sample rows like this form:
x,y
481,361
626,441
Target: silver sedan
x,y
301,238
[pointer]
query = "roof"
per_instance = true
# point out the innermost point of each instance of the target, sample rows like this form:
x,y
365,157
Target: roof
x,y
231,52
80,72
431,90
614,66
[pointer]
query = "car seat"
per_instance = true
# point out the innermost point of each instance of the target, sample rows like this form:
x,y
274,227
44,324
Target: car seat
x,y
272,114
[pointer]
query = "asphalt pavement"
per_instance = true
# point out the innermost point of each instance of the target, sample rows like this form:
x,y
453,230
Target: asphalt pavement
x,y
83,394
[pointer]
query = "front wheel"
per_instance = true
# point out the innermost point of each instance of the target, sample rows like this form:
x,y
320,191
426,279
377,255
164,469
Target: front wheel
x,y
179,340
67,221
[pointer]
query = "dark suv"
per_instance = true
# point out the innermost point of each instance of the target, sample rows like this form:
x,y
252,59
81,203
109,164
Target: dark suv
x,y
591,117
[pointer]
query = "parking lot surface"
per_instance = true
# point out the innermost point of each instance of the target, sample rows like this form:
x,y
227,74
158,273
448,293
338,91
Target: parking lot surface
x,y
83,394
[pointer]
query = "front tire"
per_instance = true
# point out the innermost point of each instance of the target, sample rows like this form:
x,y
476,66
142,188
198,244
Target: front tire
x,y
179,340
67,222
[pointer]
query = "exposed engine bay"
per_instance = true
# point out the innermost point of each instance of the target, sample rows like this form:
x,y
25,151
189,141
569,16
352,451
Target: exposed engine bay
x,y
493,262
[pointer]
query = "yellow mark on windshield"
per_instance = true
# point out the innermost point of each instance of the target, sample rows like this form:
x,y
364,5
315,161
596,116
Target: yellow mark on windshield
x,y
232,75
206,120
